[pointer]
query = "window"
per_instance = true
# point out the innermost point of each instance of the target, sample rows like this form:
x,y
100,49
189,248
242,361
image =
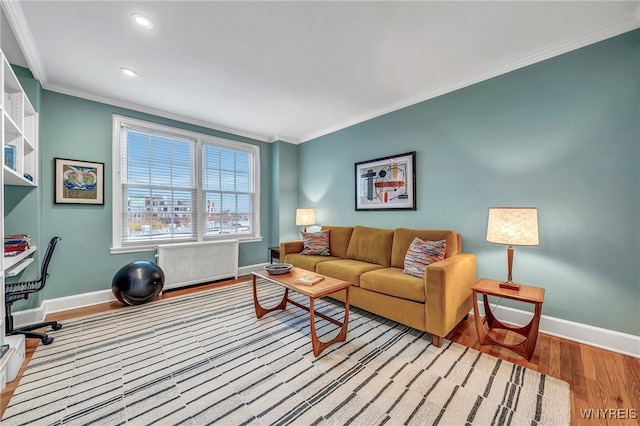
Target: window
x,y
171,185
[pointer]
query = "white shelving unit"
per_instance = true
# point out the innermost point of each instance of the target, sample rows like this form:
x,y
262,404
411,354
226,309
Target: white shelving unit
x,y
19,134
20,131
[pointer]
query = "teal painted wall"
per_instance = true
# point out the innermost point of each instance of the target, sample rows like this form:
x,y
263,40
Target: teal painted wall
x,y
288,191
562,135
275,194
284,191
76,128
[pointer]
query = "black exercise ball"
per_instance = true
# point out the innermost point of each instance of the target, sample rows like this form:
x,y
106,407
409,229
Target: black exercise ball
x,y
138,282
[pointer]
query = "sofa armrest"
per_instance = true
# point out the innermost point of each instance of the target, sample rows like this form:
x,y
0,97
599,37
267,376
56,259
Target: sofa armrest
x,y
448,292
289,247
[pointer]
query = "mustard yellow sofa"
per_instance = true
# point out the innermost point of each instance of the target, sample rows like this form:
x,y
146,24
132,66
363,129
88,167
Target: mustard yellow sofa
x,y
372,259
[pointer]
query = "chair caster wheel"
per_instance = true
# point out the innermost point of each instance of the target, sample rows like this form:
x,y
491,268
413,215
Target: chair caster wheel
x,y
57,327
46,340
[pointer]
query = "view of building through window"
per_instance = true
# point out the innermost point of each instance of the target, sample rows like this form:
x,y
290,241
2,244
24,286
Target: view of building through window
x,y
178,185
159,185
227,185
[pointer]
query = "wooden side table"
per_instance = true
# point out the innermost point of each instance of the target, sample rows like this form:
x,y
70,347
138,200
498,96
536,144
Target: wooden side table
x,y
274,253
528,294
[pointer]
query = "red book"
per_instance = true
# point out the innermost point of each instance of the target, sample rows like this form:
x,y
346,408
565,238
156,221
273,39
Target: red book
x,y
15,249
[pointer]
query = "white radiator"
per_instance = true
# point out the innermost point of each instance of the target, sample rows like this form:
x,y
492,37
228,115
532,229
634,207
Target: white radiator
x,y
194,263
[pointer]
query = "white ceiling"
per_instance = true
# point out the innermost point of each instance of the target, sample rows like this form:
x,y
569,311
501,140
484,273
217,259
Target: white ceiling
x,y
294,70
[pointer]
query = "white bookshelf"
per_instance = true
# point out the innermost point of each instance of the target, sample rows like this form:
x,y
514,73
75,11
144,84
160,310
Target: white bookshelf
x,y
19,134
20,131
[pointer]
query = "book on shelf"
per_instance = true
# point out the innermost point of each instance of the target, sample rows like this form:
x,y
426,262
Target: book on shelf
x,y
17,238
13,251
16,243
9,156
309,279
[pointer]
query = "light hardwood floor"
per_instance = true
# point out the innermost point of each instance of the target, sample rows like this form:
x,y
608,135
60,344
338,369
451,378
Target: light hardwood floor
x,y
599,379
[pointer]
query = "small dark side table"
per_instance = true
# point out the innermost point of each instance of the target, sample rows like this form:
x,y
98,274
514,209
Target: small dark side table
x,y
274,253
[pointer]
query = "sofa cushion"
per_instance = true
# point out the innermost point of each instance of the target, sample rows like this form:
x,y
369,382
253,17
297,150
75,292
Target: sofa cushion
x,y
339,237
403,237
346,269
421,254
306,261
371,245
316,243
394,282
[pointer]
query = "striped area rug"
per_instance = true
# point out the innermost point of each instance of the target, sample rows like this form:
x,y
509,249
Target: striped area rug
x,y
205,359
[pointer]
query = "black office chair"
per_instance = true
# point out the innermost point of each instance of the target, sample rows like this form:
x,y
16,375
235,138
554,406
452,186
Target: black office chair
x,y
21,291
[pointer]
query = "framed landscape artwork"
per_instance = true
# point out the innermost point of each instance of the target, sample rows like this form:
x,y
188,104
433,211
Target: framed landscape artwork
x,y
387,183
78,182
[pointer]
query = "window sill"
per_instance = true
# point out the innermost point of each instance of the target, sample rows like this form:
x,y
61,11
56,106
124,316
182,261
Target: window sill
x,y
152,247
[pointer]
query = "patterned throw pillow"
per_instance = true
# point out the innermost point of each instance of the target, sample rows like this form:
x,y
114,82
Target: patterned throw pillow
x,y
421,254
316,243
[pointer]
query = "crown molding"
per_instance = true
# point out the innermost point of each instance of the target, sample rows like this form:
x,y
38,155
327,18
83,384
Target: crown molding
x,y
287,139
22,32
157,112
622,27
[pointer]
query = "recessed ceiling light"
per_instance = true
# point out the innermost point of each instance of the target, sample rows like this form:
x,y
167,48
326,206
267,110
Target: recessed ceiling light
x,y
128,72
142,21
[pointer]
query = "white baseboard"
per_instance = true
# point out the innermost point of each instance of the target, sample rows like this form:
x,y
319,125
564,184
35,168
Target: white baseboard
x,y
246,270
49,306
615,341
626,344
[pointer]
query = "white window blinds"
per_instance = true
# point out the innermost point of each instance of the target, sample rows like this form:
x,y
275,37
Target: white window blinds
x,y
181,186
229,190
159,187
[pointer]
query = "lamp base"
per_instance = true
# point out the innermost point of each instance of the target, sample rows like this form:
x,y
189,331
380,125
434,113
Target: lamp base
x,y
510,285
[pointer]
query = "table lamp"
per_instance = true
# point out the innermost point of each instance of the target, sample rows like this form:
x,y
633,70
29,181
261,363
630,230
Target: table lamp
x,y
514,226
305,217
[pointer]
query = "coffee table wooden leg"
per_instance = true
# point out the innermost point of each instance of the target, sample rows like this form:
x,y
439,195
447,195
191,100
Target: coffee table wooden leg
x,y
260,311
319,346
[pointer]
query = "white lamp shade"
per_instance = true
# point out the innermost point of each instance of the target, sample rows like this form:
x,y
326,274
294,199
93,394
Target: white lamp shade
x,y
305,217
513,226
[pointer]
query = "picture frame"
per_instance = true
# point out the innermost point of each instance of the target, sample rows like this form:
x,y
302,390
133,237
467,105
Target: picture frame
x,y
78,182
386,183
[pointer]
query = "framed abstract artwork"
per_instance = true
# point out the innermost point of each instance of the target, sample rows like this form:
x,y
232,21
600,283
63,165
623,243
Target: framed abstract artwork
x,y
78,182
387,183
